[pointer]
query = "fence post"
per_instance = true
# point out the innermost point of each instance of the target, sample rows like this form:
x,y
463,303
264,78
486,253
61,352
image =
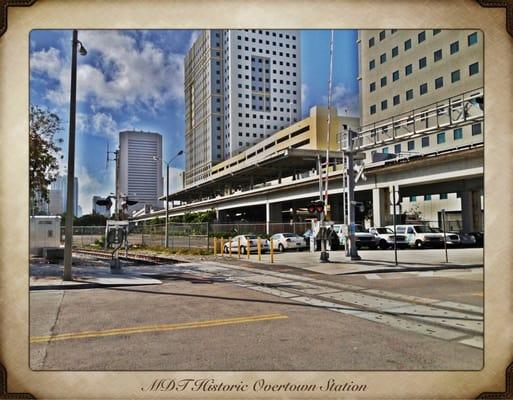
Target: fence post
x,y
208,238
222,246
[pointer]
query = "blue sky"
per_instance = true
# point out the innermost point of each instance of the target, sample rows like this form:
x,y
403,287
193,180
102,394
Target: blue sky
x,y
133,79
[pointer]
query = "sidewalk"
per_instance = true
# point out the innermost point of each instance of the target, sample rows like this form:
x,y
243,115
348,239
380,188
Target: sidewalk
x,y
49,276
376,261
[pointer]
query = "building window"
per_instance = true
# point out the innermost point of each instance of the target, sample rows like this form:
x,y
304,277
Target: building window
x,y
382,35
372,64
439,82
408,69
455,76
440,138
422,62
423,88
407,44
371,42
397,100
425,141
383,58
373,109
409,94
385,150
455,47
372,87
421,36
436,31
473,69
383,81
384,104
413,199
476,129
458,134
395,51
411,145
437,55
397,148
443,196
395,75
472,38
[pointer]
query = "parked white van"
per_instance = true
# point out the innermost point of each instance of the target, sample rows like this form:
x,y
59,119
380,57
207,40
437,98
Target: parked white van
x,y
420,236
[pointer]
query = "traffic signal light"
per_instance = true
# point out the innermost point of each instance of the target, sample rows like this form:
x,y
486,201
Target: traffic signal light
x,y
105,202
316,206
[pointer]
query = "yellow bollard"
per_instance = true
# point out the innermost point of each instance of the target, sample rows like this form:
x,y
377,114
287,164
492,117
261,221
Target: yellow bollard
x,y
222,246
271,251
238,247
259,247
248,248
215,246
230,246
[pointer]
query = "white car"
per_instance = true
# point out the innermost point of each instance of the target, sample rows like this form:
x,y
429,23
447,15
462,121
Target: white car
x,y
246,242
287,241
419,236
385,238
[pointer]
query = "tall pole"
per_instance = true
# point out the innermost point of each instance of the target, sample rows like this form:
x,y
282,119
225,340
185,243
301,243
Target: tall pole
x,y
351,203
328,134
167,205
71,162
395,233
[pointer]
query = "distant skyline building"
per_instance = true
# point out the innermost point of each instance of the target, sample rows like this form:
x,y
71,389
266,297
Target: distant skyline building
x,y
140,168
59,188
96,209
241,86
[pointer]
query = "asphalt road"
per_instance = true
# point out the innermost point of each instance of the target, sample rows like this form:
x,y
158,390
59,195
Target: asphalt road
x,y
274,319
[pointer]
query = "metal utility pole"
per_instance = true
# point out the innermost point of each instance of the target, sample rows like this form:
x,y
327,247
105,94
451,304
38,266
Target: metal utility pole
x,y
353,252
328,133
167,205
395,233
445,235
70,189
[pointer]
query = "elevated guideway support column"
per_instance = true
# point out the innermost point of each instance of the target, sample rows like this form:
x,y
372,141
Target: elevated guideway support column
x,y
471,215
273,213
381,206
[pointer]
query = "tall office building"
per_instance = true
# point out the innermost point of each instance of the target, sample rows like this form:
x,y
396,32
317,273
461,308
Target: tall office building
x,y
140,168
241,86
422,77
59,188
407,71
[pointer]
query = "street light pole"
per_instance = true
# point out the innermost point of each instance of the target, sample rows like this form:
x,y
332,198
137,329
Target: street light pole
x,y
167,204
353,250
71,158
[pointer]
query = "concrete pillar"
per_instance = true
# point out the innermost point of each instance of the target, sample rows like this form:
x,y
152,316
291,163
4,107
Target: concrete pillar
x,y
471,215
380,206
272,214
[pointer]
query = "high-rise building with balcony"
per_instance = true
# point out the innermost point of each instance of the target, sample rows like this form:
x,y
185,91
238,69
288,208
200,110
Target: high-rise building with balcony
x,y
241,86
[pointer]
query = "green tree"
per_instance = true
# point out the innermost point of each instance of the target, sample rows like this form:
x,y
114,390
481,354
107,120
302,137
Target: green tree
x,y
43,153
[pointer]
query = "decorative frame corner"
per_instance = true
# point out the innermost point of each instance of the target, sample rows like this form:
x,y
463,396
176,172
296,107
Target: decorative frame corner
x,y
4,394
4,4
507,394
508,4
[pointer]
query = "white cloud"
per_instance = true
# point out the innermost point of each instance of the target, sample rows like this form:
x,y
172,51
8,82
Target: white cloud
x,y
92,185
194,35
105,124
126,72
346,101
304,97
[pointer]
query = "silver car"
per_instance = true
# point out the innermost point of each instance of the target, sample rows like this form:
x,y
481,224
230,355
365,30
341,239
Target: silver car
x,y
287,241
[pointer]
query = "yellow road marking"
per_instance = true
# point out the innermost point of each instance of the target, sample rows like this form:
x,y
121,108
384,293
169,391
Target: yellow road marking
x,y
156,328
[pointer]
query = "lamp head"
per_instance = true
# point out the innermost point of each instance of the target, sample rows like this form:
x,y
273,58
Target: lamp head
x,y
82,51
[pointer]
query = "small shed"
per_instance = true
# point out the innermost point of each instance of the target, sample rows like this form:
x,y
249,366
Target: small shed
x,y
45,233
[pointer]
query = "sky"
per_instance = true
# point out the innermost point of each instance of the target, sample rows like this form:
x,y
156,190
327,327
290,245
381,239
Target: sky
x,y
133,79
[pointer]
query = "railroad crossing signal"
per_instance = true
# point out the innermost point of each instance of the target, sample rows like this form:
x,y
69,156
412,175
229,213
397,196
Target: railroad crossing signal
x,y
316,206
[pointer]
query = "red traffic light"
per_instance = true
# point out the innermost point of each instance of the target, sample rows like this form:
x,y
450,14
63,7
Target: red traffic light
x,y
316,207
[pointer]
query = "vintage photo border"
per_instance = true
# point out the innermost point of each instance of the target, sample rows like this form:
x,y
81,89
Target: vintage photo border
x,y
507,4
